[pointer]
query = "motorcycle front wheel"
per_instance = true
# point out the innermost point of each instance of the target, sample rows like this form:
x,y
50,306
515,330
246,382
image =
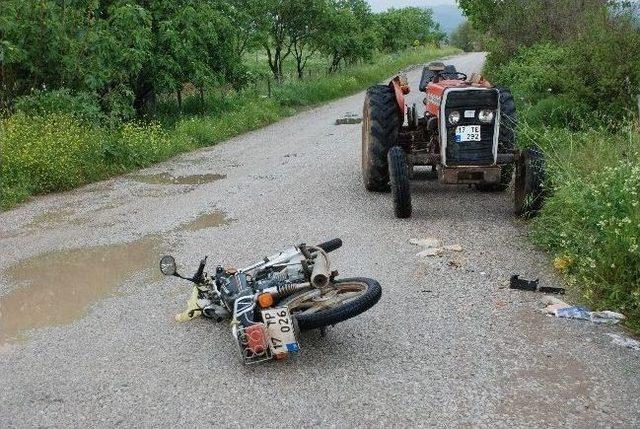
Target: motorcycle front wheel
x,y
341,300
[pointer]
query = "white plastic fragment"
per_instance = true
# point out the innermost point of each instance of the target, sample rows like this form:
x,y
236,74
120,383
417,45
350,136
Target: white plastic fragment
x,y
624,341
453,247
425,242
431,251
553,304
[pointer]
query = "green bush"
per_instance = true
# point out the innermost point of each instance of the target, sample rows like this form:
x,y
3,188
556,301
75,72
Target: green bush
x,y
559,111
604,65
591,220
534,73
594,79
82,105
45,153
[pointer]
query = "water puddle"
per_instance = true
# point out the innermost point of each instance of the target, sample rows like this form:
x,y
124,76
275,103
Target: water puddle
x,y
169,179
207,220
57,288
50,217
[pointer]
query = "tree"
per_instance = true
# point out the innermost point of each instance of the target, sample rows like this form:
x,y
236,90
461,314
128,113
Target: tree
x,y
348,32
516,24
303,29
123,51
467,38
401,28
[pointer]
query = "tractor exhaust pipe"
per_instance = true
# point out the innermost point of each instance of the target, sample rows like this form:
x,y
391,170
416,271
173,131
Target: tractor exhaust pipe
x,y
320,273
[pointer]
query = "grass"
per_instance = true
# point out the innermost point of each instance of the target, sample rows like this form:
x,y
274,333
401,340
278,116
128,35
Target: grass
x,y
50,152
591,220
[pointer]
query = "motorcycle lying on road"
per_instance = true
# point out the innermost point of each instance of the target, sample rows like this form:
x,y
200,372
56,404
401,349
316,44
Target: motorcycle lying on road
x,y
270,301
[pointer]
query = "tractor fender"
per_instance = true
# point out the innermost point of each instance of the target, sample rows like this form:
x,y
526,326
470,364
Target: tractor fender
x,y
400,85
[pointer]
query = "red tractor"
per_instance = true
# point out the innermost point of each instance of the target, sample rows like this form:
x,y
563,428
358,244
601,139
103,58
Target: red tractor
x,y
466,136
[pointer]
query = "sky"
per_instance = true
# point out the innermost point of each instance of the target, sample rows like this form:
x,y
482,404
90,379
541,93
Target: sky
x,y
379,5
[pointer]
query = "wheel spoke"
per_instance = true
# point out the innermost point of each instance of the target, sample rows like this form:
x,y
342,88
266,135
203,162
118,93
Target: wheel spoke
x,y
318,300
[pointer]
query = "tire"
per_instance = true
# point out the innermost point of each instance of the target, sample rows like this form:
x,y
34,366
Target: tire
x,y
380,126
345,311
529,190
506,140
400,183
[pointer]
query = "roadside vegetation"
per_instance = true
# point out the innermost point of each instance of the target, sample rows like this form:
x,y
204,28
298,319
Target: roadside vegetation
x,y
92,89
575,70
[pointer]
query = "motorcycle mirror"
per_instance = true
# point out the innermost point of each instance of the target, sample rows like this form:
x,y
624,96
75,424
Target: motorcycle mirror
x,y
168,265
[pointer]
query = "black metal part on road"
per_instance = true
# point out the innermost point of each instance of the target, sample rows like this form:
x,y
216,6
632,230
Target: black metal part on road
x,y
381,122
517,283
400,182
533,286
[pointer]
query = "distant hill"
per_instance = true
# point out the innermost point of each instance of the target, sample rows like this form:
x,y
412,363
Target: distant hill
x,y
448,16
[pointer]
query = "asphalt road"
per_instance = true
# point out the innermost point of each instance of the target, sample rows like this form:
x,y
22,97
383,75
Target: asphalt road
x,y
89,338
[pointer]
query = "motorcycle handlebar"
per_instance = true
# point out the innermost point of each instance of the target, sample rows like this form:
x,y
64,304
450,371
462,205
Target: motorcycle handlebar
x,y
331,245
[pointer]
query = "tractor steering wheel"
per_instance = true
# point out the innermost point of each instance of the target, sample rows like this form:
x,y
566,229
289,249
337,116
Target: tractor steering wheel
x,y
452,75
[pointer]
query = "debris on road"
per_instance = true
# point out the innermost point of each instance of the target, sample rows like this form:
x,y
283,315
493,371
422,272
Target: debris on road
x,y
552,304
453,247
430,251
193,310
425,242
433,247
624,341
517,283
533,285
455,264
348,119
558,308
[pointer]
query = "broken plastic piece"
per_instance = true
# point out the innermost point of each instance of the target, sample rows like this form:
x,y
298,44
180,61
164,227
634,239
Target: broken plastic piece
x,y
624,341
583,313
551,289
193,309
533,286
517,283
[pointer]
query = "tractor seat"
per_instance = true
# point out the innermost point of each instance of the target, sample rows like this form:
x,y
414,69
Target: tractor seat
x,y
430,71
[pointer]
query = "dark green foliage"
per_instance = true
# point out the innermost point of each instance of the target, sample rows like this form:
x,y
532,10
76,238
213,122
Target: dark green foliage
x,y
401,28
124,52
467,38
84,105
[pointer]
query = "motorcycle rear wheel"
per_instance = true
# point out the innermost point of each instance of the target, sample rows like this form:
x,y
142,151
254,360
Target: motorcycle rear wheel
x,y
344,299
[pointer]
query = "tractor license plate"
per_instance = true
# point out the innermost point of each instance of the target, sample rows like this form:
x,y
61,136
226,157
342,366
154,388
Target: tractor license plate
x,y
468,133
280,328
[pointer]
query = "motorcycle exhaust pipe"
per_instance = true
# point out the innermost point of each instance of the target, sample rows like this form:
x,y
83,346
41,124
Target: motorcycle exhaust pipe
x,y
320,273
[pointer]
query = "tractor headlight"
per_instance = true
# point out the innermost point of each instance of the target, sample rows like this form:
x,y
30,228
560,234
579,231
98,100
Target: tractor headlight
x,y
454,117
486,116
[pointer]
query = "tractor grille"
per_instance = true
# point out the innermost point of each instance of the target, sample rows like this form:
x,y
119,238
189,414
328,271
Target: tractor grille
x,y
471,152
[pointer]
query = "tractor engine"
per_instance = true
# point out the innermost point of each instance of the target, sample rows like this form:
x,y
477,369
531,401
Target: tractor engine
x,y
468,121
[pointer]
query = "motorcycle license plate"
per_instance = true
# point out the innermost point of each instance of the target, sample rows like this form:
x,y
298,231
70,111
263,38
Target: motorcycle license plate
x,y
468,133
280,327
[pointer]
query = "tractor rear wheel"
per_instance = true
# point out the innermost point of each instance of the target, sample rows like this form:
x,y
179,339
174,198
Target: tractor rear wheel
x,y
400,184
380,125
529,185
506,140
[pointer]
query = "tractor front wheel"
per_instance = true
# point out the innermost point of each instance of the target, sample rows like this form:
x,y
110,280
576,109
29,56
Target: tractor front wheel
x,y
506,140
529,184
400,184
380,126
